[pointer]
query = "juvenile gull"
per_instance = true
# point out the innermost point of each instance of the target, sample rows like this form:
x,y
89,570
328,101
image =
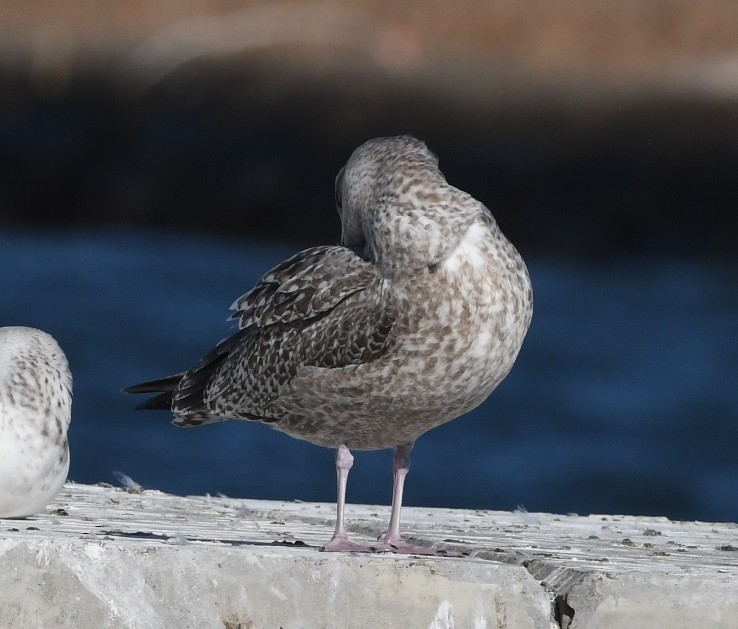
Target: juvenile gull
x,y
410,323
35,411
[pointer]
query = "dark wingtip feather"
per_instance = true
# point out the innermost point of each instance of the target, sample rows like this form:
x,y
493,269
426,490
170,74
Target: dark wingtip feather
x,y
162,385
161,402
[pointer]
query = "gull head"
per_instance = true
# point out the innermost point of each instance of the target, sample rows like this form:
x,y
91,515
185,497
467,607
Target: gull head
x,y
397,209
375,175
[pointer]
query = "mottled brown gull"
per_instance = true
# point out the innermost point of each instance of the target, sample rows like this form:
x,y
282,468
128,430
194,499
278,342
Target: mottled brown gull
x,y
35,411
410,323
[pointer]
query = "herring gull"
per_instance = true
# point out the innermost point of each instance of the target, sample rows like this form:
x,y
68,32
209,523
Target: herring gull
x,y
411,322
35,411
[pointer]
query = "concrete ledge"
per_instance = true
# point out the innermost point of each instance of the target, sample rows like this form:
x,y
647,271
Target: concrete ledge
x,y
104,557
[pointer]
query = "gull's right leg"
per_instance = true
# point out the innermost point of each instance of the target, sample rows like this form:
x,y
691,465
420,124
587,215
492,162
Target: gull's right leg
x,y
340,541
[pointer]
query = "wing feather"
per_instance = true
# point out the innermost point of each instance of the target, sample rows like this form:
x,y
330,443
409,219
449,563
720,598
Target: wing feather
x,y
324,307
304,286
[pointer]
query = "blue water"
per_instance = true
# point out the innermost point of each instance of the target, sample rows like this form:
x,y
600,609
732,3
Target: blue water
x,y
624,398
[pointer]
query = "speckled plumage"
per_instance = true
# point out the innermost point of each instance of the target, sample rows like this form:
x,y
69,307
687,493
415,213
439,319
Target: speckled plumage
x,y
411,322
35,412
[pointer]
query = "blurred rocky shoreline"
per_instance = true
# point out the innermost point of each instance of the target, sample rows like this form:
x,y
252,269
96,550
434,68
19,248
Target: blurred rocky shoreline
x,y
587,128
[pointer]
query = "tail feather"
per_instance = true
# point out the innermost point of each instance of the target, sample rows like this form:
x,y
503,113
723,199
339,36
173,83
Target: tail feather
x,y
188,398
189,394
183,393
162,385
161,402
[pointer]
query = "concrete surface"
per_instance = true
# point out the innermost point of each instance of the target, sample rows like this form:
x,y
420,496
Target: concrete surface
x,y
107,557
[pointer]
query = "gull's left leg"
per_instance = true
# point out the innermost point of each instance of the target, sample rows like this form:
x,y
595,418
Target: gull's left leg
x,y
392,540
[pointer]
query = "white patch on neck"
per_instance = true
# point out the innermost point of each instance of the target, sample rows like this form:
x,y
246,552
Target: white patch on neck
x,y
468,250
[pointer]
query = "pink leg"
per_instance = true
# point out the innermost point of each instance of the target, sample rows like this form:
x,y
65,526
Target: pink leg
x,y
400,468
393,542
340,540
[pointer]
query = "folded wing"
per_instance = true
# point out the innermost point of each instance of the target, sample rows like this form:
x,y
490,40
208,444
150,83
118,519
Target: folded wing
x,y
324,307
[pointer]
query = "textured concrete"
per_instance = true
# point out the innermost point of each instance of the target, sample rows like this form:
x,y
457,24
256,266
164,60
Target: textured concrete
x,y
105,557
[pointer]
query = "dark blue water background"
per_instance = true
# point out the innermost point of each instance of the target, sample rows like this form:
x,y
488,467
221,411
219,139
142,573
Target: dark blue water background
x,y
624,398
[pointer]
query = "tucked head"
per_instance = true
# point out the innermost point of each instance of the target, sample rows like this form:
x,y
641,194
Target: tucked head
x,y
375,170
396,206
28,359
